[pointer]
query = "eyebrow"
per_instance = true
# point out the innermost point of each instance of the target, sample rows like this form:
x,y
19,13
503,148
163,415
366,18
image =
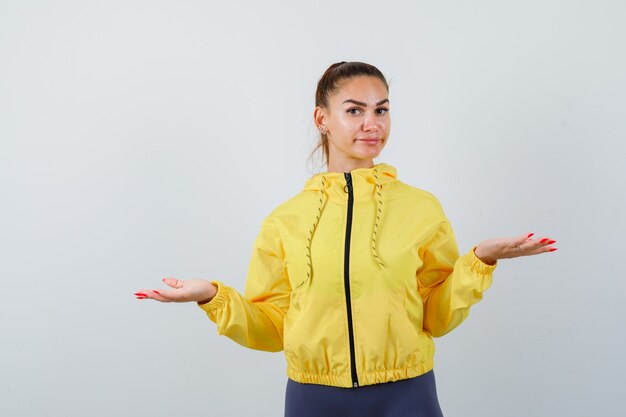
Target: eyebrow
x,y
360,103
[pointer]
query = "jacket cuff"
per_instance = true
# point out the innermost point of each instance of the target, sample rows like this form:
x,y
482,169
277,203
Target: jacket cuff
x,y
477,265
218,301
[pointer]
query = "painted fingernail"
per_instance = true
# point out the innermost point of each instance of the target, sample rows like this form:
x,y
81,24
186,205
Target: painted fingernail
x,y
140,293
551,242
156,292
543,240
552,250
141,298
530,234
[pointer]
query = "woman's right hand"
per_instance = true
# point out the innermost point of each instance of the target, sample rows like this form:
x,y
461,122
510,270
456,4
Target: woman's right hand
x,y
199,290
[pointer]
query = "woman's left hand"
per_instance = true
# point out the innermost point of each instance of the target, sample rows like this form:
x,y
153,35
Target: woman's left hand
x,y
491,250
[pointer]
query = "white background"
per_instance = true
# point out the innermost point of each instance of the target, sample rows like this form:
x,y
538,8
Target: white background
x,y
144,139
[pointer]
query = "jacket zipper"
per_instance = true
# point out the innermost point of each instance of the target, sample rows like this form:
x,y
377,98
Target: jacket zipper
x,y
346,269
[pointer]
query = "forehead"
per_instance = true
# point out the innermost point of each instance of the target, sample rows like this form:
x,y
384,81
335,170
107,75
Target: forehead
x,y
362,88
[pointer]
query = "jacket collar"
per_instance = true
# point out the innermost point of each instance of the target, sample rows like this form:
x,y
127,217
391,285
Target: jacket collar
x,y
381,173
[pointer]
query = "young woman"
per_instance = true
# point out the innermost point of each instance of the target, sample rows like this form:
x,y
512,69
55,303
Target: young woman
x,y
355,275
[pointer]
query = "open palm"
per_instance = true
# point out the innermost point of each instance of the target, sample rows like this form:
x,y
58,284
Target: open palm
x,y
199,290
512,247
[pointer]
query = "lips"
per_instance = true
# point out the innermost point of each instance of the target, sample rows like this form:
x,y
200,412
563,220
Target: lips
x,y
369,140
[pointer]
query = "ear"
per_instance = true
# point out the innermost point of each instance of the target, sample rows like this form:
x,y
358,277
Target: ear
x,y
319,117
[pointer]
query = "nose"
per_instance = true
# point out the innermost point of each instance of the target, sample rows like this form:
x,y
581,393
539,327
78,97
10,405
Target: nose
x,y
370,123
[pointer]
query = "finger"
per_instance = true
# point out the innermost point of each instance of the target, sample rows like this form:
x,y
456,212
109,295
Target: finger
x,y
532,245
519,245
173,282
543,249
547,246
539,248
142,294
165,296
522,239
546,241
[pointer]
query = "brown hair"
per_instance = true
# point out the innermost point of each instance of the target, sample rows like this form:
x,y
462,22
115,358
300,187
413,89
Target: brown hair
x,y
329,83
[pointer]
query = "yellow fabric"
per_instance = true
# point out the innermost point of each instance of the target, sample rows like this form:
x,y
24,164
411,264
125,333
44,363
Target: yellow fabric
x,y
407,282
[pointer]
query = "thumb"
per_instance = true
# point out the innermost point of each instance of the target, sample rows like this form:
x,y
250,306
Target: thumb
x,y
173,282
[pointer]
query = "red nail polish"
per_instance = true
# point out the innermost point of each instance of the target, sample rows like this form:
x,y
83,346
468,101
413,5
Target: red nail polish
x,y
156,292
552,250
140,293
530,234
551,242
543,240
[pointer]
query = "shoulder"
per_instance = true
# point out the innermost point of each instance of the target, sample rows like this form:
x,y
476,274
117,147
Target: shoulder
x,y
290,210
293,205
415,196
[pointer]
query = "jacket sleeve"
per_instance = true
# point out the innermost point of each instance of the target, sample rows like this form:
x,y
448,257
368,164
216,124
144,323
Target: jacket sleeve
x,y
449,284
255,320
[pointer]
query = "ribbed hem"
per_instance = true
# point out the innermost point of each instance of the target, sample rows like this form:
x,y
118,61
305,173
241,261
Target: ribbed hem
x,y
476,264
218,301
344,380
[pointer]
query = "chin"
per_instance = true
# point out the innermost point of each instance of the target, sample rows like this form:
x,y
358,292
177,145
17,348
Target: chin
x,y
370,155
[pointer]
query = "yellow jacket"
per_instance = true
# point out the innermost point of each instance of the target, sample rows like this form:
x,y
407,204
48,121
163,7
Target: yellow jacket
x,y
352,278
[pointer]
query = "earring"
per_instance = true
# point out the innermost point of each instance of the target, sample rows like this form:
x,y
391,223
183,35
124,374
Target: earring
x,y
322,130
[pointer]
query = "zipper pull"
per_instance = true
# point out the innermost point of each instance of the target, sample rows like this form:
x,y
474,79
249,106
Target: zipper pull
x,y
348,182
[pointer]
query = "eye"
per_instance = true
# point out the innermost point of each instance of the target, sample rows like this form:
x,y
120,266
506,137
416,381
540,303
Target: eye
x,y
384,110
350,110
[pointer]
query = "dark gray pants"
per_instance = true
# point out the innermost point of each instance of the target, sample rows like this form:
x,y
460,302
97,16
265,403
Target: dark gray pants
x,y
413,397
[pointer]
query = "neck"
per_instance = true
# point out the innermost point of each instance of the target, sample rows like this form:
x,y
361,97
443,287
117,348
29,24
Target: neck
x,y
348,165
